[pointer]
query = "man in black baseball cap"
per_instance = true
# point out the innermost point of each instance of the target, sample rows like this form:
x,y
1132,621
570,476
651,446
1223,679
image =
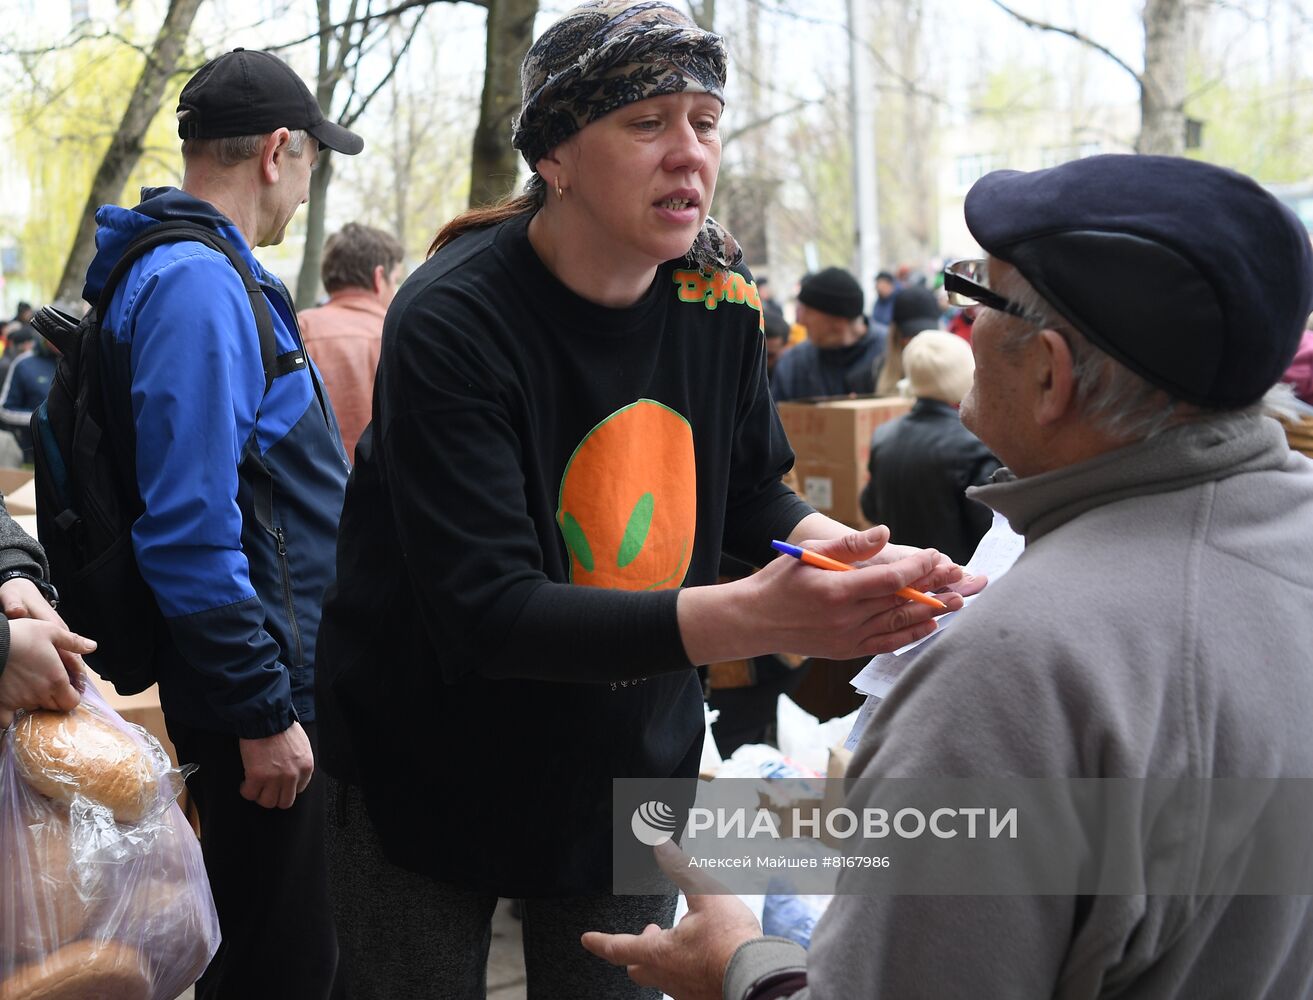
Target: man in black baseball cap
x,y
250,126
229,441
1135,310
246,92
838,357
914,309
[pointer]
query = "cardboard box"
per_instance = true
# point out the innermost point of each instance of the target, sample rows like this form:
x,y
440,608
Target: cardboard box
x,y
792,802
22,500
832,441
19,491
141,709
144,710
835,794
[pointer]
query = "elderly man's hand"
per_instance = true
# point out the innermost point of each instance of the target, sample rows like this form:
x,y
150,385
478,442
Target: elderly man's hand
x,y
688,961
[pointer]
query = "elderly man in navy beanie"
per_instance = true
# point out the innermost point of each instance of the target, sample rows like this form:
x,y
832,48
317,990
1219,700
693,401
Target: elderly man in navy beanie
x,y
839,356
1136,311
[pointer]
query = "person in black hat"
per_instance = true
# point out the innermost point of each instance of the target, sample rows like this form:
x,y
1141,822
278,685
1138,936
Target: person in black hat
x,y
1136,310
25,386
18,337
18,344
21,318
241,485
914,309
776,330
839,354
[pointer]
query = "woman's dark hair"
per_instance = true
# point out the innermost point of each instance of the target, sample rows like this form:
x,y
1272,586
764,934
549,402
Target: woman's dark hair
x,y
484,216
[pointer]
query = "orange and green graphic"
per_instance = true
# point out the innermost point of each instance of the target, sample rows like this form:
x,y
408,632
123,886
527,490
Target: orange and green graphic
x,y
628,507
717,287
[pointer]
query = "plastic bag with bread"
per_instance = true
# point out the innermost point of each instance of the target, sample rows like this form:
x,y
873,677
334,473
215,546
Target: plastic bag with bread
x,y
103,890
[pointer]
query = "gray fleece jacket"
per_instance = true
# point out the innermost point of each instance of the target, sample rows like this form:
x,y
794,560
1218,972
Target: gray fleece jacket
x,y
1159,624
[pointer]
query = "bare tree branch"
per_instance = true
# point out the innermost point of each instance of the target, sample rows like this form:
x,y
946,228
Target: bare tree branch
x,y
704,14
1084,39
349,116
351,21
73,41
906,85
345,46
1235,8
126,145
400,8
762,122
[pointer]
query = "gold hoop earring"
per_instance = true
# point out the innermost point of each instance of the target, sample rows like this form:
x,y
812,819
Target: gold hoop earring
x,y
560,195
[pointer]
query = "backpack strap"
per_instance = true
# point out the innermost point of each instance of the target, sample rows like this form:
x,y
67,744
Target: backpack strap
x,y
274,364
190,232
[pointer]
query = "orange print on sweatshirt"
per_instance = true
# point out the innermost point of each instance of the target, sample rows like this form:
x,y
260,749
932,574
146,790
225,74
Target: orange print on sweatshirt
x,y
714,287
628,504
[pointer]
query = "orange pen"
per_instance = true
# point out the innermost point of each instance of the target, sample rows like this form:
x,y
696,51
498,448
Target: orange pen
x,y
825,562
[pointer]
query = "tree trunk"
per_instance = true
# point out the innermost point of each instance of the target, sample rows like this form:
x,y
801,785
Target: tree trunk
x,y
495,162
919,131
1162,84
125,148
704,14
405,140
334,67
307,282
1162,87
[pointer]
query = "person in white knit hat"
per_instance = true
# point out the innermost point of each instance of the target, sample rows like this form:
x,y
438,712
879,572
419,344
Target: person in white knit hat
x,y
922,463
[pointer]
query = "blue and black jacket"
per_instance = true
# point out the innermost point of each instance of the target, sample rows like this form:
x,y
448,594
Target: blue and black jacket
x,y
187,405
25,387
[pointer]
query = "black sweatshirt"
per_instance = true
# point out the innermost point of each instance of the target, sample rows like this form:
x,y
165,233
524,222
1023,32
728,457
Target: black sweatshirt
x,y
540,475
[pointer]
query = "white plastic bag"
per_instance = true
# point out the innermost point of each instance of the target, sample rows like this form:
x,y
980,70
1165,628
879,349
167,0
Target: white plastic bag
x,y
102,886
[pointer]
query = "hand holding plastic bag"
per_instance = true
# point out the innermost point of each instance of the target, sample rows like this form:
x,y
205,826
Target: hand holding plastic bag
x,y
102,887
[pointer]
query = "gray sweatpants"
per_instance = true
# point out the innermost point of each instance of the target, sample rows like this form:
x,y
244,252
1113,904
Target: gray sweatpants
x,y
402,936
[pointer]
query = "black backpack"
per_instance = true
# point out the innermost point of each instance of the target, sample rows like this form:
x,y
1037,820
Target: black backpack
x,y
86,484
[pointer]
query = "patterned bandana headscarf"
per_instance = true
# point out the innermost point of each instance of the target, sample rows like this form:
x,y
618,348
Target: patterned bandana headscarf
x,y
603,55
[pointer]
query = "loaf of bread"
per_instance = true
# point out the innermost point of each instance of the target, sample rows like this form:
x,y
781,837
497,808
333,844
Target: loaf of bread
x,y
105,970
38,882
161,904
173,930
63,754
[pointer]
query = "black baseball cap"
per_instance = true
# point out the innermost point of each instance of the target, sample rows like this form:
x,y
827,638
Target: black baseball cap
x,y
915,309
248,92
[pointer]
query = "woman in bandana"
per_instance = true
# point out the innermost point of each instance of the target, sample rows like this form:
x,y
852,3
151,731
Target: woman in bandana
x,y
571,420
